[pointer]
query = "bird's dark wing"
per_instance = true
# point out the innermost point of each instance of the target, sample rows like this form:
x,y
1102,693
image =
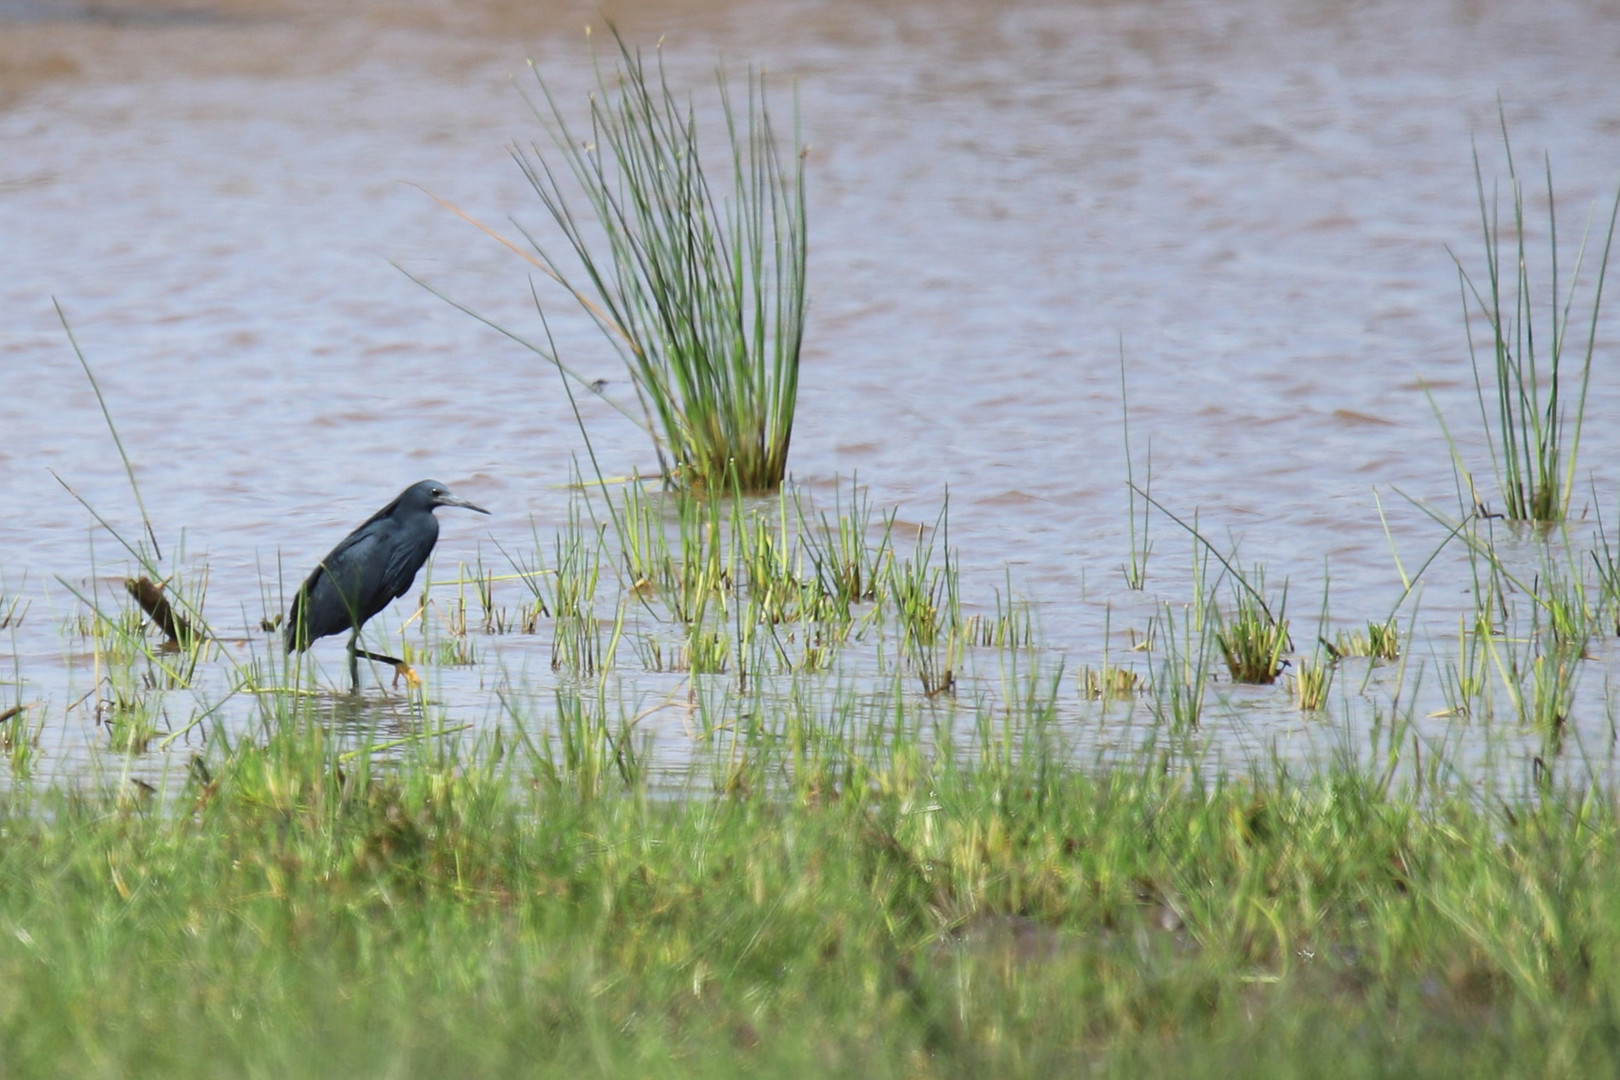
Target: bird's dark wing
x,y
371,567
409,545
348,587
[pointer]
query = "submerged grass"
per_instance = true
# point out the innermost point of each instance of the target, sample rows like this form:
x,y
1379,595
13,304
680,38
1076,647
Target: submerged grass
x,y
1109,682
1313,678
1181,673
1379,641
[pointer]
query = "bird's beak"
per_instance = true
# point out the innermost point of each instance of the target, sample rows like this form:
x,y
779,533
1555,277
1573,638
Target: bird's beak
x,y
448,499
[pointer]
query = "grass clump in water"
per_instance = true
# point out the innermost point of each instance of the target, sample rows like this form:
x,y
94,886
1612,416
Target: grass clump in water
x,y
1252,638
700,287
1313,678
1534,369
1110,683
1380,641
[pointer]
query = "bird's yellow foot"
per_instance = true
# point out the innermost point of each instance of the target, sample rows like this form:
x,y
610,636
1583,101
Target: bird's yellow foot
x,y
402,670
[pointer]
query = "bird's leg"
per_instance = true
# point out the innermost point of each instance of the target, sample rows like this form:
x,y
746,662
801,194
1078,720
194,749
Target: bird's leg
x,y
354,662
402,670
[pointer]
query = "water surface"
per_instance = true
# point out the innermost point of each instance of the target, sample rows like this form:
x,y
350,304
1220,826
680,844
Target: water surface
x,y
1255,200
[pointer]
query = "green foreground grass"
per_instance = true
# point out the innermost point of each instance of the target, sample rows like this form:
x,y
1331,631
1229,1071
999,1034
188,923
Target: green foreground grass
x,y
293,914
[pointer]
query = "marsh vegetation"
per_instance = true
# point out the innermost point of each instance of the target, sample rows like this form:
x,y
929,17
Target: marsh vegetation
x,y
789,796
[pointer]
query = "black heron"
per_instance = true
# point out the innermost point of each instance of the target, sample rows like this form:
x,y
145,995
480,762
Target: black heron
x,y
373,566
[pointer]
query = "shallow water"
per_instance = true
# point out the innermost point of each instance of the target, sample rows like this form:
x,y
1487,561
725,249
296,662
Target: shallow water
x,y
1254,200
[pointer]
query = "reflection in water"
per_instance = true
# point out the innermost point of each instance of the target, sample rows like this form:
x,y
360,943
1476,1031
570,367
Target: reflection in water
x,y
370,720
1254,199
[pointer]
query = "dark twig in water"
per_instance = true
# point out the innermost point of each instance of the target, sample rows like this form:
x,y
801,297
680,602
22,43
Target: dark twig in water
x,y
149,595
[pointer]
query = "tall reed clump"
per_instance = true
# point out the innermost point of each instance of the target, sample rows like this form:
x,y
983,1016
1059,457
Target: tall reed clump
x,y
698,282
1524,400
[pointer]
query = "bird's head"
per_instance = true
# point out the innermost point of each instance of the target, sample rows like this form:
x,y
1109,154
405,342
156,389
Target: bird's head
x,y
430,493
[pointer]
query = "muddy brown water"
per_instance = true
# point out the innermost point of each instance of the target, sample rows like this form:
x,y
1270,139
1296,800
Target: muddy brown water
x,y
1254,198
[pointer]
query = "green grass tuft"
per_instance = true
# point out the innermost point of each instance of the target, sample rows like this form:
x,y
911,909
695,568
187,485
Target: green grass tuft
x,y
1534,369
1313,678
1381,641
1252,638
698,282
